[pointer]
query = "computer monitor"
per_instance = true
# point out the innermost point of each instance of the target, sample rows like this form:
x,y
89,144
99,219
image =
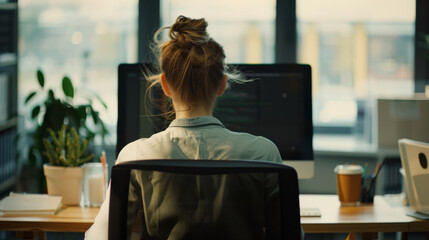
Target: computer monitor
x,y
276,104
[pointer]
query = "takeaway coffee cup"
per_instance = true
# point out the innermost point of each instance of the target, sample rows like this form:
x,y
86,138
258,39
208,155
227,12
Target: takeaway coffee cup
x,y
349,179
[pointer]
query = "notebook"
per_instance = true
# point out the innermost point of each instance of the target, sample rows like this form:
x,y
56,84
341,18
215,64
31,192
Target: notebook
x,y
414,157
23,203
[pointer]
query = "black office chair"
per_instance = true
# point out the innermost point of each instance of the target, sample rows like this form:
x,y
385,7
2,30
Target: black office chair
x,y
205,199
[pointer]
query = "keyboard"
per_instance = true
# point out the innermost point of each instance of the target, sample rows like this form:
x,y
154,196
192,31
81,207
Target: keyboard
x,y
310,212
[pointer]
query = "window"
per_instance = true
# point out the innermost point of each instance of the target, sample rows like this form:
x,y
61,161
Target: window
x,y
245,28
358,50
84,40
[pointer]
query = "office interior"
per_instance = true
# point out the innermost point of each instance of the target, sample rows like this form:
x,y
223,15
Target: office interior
x,y
359,51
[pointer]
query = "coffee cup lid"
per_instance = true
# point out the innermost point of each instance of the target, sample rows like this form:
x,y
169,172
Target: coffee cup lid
x,y
348,169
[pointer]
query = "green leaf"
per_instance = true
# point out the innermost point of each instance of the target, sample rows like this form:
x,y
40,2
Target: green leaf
x,y
37,138
74,117
91,134
35,112
55,115
29,97
32,156
40,78
68,87
100,100
82,112
51,95
105,131
95,116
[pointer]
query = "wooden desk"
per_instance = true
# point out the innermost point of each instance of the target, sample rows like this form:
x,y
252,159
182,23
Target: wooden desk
x,y
366,218
68,219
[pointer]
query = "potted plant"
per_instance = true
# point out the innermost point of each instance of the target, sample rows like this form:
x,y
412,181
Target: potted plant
x,y
50,110
66,153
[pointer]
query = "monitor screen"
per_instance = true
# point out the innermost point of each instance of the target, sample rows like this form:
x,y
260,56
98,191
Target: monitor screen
x,y
276,104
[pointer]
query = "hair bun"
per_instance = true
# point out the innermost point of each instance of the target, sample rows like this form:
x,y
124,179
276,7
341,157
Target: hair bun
x,y
186,31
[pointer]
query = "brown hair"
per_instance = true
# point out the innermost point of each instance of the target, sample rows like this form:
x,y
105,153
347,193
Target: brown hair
x,y
193,63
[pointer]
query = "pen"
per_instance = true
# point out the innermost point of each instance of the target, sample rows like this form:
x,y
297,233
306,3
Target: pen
x,y
377,169
103,163
365,169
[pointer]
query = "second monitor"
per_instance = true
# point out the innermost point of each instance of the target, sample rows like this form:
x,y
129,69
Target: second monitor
x,y
277,104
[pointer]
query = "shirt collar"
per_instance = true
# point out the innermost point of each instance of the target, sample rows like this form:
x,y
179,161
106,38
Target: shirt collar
x,y
196,122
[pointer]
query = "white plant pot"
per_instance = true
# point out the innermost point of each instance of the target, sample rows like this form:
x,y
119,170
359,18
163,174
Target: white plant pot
x,y
65,182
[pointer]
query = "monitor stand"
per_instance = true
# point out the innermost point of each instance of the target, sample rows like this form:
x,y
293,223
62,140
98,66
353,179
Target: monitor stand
x,y
305,169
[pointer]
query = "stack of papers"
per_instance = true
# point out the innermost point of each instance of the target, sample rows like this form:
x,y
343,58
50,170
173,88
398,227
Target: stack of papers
x,y
24,203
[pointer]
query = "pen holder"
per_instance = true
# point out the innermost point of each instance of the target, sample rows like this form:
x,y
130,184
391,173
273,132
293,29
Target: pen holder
x,y
368,189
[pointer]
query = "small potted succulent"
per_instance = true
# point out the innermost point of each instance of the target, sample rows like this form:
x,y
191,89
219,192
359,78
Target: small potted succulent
x,y
51,109
66,152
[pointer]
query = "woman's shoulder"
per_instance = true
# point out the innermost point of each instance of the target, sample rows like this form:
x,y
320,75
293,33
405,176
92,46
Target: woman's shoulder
x,y
144,148
129,152
255,147
250,138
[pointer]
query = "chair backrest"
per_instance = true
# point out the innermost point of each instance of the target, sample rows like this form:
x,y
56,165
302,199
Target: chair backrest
x,y
205,199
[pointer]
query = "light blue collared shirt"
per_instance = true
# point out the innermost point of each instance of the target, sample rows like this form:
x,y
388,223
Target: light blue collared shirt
x,y
201,138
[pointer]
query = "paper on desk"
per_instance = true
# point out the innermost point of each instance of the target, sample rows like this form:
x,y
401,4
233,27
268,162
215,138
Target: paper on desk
x,y
22,203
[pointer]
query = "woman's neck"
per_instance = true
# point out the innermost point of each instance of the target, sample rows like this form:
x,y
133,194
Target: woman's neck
x,y
185,111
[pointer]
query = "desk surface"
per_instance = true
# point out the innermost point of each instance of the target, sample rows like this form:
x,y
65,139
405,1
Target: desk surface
x,y
68,219
377,217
